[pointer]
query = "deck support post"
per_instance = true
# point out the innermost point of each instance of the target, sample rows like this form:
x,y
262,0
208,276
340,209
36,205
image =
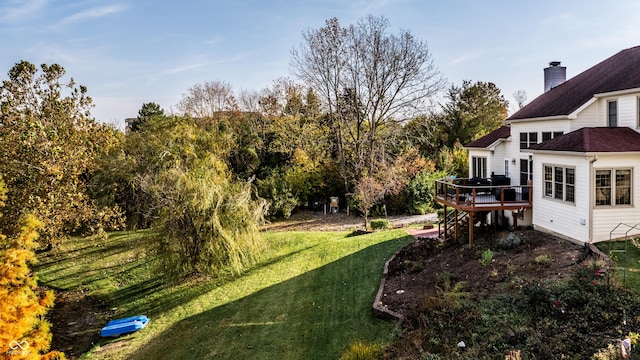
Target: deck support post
x,y
455,225
446,224
471,228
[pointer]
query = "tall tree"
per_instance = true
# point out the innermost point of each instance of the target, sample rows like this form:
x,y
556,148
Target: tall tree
x,y
521,98
24,333
206,221
208,99
470,112
49,145
147,112
366,79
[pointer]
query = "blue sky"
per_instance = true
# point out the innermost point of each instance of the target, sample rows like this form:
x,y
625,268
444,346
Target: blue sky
x,y
130,52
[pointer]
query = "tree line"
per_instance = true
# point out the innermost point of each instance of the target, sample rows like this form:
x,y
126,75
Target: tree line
x,y
366,117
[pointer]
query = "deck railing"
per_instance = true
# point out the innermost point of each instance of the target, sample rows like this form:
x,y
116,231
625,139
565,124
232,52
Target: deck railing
x,y
463,193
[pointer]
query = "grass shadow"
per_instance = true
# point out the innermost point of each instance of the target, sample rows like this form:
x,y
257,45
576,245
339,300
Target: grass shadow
x,y
315,315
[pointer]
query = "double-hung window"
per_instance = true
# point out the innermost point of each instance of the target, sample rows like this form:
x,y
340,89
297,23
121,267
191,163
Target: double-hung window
x,y
638,112
528,139
559,183
612,113
613,187
548,135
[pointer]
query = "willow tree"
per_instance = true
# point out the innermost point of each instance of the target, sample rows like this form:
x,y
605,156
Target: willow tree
x,y
368,81
206,220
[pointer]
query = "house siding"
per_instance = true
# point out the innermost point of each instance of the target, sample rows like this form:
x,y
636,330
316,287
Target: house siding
x,y
605,219
512,149
564,218
627,112
481,153
497,162
589,117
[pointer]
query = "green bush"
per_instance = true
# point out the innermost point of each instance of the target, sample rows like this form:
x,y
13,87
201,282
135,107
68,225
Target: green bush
x,y
377,224
414,266
420,192
278,193
545,259
362,351
486,258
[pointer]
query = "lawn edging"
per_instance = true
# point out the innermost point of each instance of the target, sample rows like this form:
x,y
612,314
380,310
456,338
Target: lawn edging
x,y
379,309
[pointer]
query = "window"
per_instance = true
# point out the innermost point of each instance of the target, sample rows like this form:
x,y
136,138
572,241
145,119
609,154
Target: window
x,y
612,113
528,139
479,166
570,185
559,183
610,182
526,171
506,168
548,135
548,181
638,111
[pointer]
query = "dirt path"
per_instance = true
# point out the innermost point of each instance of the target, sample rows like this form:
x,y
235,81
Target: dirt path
x,y
317,221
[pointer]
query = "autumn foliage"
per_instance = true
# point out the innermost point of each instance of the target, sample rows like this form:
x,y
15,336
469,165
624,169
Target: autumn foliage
x,y
24,333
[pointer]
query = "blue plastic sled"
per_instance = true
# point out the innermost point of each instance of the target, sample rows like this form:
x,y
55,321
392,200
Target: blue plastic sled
x,y
124,326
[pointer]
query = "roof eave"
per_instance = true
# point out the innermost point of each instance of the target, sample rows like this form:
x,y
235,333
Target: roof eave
x,y
491,146
617,93
544,118
583,153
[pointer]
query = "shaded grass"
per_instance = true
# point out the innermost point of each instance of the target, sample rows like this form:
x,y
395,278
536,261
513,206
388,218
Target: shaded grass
x,y
309,298
626,256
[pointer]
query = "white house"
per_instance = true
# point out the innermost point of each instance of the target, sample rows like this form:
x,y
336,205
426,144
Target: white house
x,y
578,146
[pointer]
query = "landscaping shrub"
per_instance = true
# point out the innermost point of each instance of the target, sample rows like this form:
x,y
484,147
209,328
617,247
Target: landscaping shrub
x,y
486,258
378,224
414,266
576,318
545,259
362,351
510,241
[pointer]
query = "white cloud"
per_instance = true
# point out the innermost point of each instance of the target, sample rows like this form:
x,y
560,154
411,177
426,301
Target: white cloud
x,y
179,69
17,10
465,58
91,14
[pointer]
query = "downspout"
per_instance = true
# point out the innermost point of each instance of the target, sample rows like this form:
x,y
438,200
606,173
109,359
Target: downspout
x,y
591,196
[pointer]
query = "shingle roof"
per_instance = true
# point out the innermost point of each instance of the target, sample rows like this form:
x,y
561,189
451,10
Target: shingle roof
x,y
594,139
484,142
619,72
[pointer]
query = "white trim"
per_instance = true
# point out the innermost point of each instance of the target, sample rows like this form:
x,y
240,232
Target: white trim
x,y
616,93
574,114
544,118
580,153
491,146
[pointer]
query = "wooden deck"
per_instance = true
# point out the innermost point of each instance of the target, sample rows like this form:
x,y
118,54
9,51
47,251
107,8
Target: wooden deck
x,y
459,195
483,198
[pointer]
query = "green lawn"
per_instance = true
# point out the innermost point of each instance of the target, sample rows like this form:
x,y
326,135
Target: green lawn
x,y
626,256
309,299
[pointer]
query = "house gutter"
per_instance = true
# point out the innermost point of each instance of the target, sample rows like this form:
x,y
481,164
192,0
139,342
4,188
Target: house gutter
x,y
591,159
